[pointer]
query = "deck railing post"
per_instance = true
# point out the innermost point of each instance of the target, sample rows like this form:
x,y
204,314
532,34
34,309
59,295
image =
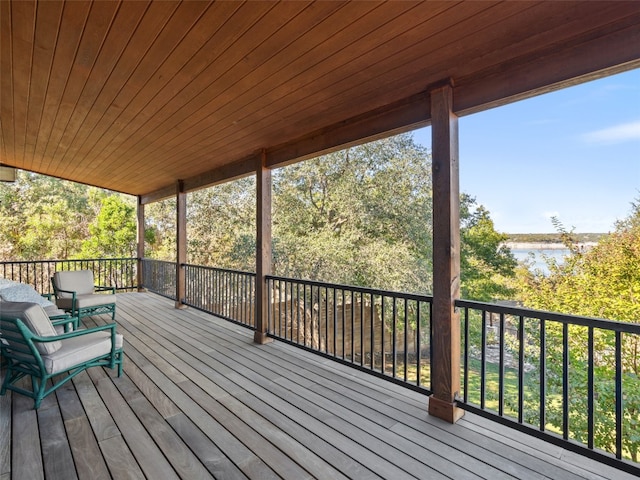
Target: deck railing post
x,y
181,243
446,255
140,246
263,247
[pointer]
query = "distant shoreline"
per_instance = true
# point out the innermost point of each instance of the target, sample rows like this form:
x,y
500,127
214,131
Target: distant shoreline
x,y
545,245
552,238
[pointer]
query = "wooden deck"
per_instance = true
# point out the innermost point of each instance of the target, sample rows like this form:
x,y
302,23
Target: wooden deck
x,y
198,399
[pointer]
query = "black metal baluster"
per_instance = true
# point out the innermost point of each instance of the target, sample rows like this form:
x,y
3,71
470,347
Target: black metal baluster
x,y
483,359
361,329
344,325
304,313
270,308
335,322
287,307
394,323
565,381
590,388
543,374
406,335
297,325
315,300
619,398
353,340
371,330
418,346
501,368
430,345
520,369
382,322
465,381
326,319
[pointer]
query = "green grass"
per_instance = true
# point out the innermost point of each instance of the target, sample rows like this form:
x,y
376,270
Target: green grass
x,y
492,380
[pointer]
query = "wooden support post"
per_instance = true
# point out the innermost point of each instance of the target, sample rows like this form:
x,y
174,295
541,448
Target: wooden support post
x,y
140,246
445,376
263,248
181,243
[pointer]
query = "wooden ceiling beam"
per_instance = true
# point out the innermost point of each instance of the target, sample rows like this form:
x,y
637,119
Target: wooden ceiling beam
x,y
552,70
407,114
226,173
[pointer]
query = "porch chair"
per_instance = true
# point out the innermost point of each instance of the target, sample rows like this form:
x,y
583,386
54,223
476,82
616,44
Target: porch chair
x,y
76,293
32,348
11,291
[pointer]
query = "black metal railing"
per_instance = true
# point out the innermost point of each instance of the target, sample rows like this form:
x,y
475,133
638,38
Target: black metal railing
x,y
159,276
571,380
387,333
229,294
120,273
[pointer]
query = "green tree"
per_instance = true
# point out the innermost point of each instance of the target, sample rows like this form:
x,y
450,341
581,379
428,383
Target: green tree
x,y
113,232
160,230
359,216
486,264
221,225
604,282
364,216
42,217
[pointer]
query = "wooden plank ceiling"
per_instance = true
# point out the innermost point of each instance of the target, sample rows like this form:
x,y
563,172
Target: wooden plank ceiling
x,y
133,96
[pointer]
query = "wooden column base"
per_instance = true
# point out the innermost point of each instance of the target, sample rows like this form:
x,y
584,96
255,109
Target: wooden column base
x,y
142,290
180,305
447,411
261,338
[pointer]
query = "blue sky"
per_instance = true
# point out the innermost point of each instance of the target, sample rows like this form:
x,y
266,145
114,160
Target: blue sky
x,y
573,154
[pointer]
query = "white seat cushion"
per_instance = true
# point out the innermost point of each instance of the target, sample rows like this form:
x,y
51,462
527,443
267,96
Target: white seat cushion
x,y
90,300
80,349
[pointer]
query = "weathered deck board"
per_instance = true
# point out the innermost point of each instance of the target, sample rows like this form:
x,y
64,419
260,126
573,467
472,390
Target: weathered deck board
x,y
198,399
56,452
328,398
5,434
254,391
26,456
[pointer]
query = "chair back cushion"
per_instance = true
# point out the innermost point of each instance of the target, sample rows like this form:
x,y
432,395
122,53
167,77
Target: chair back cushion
x,y
36,320
79,281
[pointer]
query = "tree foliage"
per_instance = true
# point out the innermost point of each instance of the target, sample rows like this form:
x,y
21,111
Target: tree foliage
x,y
359,216
160,230
603,282
42,217
221,225
113,231
486,264
46,218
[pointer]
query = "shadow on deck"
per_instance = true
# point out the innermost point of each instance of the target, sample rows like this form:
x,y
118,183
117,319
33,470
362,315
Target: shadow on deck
x,y
198,399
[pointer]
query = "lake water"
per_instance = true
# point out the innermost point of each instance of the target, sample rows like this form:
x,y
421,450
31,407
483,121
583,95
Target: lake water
x,y
536,256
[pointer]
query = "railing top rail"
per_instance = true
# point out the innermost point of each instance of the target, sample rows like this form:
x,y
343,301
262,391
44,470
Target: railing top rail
x,y
372,291
26,262
613,325
218,269
145,259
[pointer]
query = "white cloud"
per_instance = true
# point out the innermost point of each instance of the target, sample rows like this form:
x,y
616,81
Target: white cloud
x,y
616,134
